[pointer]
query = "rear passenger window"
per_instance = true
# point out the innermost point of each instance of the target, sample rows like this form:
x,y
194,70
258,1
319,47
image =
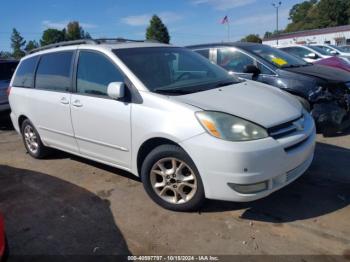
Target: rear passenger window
x,y
95,73
25,73
54,71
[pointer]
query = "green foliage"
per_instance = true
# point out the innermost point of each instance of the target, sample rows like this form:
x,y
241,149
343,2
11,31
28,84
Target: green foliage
x,y
51,36
32,44
313,14
76,32
17,43
252,38
157,31
73,32
5,55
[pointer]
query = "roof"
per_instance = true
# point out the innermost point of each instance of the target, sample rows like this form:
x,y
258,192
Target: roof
x,y
234,44
109,43
321,31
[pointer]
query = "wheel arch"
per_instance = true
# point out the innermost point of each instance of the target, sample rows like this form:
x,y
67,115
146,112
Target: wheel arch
x,y
21,119
148,145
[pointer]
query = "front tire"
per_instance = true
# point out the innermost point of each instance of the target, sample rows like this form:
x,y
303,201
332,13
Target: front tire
x,y
32,141
171,179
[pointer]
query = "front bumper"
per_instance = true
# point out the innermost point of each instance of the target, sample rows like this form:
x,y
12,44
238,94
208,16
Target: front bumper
x,y
276,161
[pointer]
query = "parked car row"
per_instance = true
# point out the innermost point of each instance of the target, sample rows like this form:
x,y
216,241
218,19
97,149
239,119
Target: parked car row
x,y
193,125
324,91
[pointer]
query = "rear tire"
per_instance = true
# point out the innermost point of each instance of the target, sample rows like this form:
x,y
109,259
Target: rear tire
x,y
172,180
32,141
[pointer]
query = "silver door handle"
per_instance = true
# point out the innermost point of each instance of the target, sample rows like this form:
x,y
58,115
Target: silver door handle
x,y
64,101
77,103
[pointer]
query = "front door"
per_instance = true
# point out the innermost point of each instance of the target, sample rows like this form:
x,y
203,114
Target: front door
x,y
101,124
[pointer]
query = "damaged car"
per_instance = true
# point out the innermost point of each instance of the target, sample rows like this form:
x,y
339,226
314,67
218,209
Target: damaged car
x,y
322,90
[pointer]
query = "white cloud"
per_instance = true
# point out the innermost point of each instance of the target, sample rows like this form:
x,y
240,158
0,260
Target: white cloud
x,y
143,19
224,4
62,24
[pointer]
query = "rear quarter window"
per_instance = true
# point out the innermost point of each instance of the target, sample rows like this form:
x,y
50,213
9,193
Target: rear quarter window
x,y
25,73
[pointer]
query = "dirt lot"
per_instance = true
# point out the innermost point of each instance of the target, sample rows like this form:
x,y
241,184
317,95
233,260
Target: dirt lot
x,y
68,205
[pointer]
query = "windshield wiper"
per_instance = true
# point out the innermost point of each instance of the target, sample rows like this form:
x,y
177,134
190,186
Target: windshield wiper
x,y
290,66
171,91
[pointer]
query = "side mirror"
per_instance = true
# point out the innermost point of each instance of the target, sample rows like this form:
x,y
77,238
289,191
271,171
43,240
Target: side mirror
x,y
252,69
311,56
116,90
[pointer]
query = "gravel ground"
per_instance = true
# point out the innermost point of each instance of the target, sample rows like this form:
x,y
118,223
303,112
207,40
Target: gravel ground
x,y
67,205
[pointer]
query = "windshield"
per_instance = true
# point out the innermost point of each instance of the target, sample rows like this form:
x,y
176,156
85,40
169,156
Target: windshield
x,y
275,56
7,69
174,69
320,50
340,48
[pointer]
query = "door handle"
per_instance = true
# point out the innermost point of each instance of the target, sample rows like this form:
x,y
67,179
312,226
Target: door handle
x,y
64,101
77,103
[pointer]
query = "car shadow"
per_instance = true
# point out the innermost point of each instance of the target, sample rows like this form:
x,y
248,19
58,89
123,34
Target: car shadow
x,y
45,215
5,121
323,189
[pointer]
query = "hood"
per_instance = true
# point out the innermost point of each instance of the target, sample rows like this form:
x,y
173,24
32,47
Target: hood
x,y
335,62
262,104
323,72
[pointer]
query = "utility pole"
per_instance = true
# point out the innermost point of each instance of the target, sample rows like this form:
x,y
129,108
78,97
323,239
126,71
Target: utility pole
x,y
277,6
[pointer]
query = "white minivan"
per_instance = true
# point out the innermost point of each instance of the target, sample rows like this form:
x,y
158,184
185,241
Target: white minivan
x,y
188,128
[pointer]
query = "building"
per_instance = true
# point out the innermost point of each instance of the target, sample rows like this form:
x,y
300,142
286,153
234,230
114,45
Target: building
x,y
339,35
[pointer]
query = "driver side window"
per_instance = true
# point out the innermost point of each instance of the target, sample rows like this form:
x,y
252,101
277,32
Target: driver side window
x,y
233,60
94,73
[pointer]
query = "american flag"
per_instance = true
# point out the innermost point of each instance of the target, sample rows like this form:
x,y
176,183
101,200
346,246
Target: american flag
x,y
224,20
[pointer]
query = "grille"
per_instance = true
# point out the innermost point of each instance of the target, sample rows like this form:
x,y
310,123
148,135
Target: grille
x,y
284,129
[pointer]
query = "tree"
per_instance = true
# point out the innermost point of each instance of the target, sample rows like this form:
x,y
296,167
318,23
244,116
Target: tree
x,y
157,30
51,36
17,43
5,55
32,44
76,32
313,14
252,38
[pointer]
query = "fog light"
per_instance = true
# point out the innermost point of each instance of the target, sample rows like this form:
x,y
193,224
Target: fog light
x,y
250,188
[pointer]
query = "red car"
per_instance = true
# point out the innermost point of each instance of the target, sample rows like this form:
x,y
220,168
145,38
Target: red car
x,y
335,62
2,239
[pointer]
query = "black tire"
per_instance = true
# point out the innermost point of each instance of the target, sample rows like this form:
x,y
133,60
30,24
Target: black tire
x,y
42,150
171,151
304,103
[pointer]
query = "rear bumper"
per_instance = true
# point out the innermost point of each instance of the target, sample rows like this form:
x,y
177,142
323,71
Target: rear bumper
x,y
274,162
14,120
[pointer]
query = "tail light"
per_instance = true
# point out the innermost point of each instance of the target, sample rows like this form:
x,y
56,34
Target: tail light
x,y
8,91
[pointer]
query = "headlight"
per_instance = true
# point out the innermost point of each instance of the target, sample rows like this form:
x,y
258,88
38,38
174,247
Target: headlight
x,y
229,127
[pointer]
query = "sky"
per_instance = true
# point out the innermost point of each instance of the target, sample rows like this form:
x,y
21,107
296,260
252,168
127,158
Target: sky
x,y
188,21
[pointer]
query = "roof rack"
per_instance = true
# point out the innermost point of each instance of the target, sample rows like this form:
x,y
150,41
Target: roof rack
x,y
91,42
65,43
